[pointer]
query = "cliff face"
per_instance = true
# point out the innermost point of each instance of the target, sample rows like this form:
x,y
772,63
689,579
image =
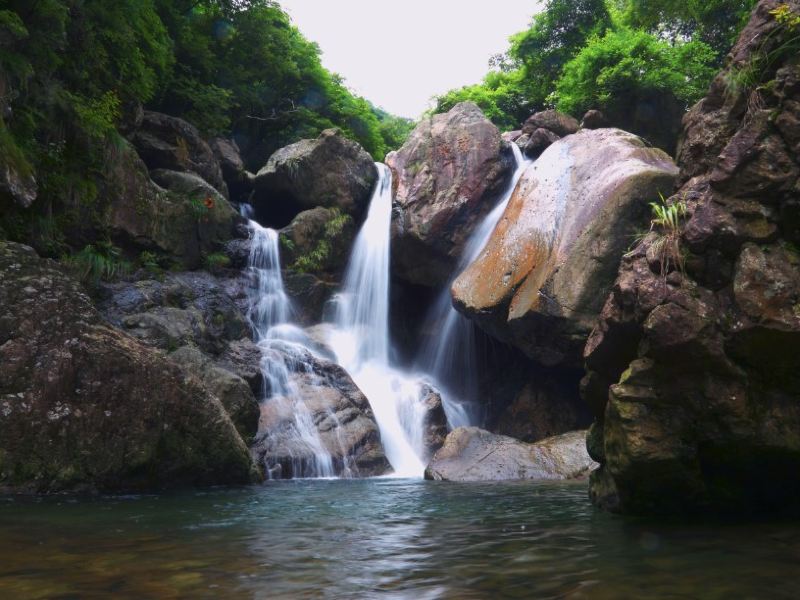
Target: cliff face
x,y
692,367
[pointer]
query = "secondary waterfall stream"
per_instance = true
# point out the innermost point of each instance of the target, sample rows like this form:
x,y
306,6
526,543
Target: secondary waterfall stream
x,y
450,357
270,314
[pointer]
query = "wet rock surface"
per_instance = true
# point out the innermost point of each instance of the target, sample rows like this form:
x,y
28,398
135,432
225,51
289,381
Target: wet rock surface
x,y
325,397
692,372
447,176
472,454
540,281
84,406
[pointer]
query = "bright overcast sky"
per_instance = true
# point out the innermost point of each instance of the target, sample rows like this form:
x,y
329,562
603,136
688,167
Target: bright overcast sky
x,y
400,53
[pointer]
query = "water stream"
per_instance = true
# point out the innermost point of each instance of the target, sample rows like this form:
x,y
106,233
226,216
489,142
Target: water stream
x,y
450,357
270,314
361,338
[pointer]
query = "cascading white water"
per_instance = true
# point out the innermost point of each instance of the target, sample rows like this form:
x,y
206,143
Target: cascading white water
x,y
450,357
361,337
269,312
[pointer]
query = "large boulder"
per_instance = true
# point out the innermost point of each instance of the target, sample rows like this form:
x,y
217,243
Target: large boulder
x,y
331,171
233,392
313,404
178,308
184,222
542,277
447,177
472,454
551,120
84,406
534,143
692,368
166,142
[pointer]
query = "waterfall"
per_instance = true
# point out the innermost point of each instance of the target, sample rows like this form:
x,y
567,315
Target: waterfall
x,y
269,313
361,337
450,357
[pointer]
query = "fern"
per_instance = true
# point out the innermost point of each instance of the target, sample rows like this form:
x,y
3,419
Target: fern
x,y
99,261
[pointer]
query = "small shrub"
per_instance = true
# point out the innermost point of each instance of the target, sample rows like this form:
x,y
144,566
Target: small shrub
x,y
99,261
149,262
216,261
666,223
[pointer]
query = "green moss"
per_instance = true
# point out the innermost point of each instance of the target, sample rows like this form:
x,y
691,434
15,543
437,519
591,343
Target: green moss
x,y
318,258
216,261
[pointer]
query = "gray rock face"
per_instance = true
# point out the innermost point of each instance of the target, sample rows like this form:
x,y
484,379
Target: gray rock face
x,y
472,454
191,219
166,142
330,171
540,282
435,424
533,144
84,406
182,308
447,176
238,179
318,241
20,187
235,394
692,372
322,394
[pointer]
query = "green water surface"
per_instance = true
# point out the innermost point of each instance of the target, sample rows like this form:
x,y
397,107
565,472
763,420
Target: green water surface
x,y
382,538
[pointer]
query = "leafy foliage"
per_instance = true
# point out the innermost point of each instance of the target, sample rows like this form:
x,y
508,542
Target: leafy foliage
x,y
666,223
642,62
101,260
713,22
636,79
73,71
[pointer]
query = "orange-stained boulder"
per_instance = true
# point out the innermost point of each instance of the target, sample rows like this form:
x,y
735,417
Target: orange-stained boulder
x,y
543,276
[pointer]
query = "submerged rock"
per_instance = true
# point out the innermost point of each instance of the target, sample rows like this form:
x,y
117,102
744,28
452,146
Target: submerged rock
x,y
84,406
472,454
331,171
540,282
447,176
321,397
692,372
166,142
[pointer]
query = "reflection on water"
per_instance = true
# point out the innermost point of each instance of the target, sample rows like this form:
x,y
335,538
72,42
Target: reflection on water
x,y
381,538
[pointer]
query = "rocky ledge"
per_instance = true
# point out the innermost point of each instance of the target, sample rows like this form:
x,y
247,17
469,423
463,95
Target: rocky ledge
x,y
472,454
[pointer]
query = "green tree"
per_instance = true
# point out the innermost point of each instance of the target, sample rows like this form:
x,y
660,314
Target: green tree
x,y
714,22
640,82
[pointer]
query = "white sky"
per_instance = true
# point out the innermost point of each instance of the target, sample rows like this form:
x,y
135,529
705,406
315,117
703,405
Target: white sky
x,y
400,53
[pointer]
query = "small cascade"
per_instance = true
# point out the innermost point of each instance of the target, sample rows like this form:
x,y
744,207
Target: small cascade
x,y
361,338
450,357
270,311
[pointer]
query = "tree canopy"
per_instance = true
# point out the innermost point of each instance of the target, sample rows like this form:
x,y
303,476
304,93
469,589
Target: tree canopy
x,y
642,62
